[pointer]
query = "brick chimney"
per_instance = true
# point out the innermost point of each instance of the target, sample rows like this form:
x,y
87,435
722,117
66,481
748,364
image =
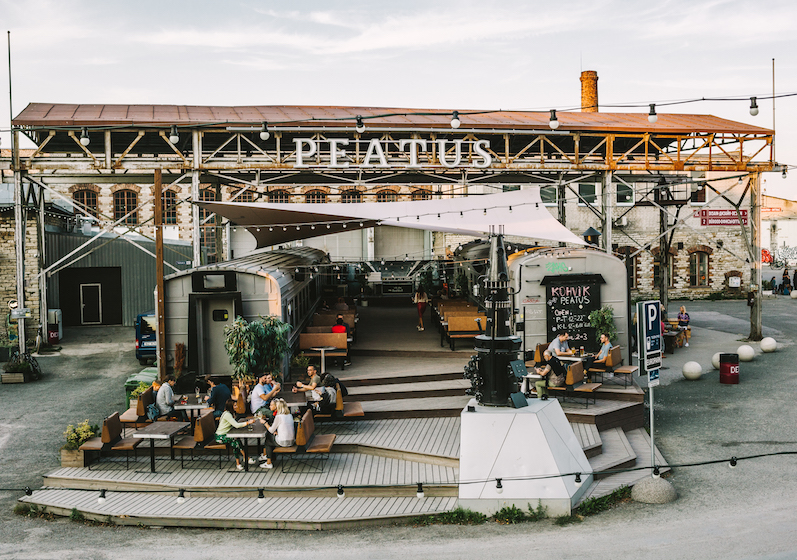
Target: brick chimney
x,y
589,91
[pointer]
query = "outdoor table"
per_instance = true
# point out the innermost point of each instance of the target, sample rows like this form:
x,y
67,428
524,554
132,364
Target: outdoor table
x,y
257,432
524,386
192,408
323,349
160,430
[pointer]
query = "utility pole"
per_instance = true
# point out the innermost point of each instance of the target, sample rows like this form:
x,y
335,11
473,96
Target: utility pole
x,y
160,296
755,264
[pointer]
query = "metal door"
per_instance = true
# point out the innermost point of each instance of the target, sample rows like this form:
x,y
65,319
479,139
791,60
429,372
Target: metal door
x,y
91,304
216,314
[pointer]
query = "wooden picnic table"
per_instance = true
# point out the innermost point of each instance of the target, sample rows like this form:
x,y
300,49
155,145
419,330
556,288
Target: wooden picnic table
x,y
160,430
255,431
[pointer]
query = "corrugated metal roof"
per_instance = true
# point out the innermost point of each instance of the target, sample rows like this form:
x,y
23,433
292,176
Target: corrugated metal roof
x,y
61,114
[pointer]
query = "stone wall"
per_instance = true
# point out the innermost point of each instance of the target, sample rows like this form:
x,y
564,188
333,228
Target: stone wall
x,y
8,275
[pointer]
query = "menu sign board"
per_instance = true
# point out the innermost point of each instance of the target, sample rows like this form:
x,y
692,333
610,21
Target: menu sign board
x,y
725,217
570,299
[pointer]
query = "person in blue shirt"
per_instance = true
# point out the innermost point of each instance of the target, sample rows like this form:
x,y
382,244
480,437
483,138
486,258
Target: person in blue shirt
x,y
600,359
219,394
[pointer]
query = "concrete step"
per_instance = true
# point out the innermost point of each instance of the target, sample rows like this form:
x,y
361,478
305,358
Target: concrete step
x,y
616,452
414,390
399,379
428,407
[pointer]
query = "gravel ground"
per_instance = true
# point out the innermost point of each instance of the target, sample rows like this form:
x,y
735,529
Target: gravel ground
x,y
747,512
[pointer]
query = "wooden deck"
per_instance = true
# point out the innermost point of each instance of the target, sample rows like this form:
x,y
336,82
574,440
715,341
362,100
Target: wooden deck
x,y
305,513
433,437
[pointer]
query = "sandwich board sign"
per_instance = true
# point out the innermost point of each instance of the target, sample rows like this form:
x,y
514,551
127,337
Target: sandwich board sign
x,y
649,339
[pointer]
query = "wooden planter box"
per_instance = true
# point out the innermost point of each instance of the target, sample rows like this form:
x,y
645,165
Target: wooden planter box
x,y
72,458
13,378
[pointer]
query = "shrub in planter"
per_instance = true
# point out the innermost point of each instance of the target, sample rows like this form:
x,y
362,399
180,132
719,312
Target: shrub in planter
x,y
71,456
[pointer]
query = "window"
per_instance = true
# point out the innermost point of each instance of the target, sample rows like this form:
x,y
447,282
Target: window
x,y
421,194
549,195
351,196
632,277
386,196
244,196
698,269
625,195
698,196
208,228
125,202
315,197
586,192
88,201
169,202
279,196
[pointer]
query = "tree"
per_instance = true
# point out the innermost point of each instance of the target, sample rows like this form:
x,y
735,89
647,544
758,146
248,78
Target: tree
x,y
259,346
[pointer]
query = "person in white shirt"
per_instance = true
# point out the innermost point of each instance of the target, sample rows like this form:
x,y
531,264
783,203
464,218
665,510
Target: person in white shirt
x,y
281,433
264,391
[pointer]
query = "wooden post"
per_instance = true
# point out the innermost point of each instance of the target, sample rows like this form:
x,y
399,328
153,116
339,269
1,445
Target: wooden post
x,y
160,299
755,264
19,236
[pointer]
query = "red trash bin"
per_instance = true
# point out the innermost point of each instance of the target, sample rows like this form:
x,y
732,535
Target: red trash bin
x,y
729,369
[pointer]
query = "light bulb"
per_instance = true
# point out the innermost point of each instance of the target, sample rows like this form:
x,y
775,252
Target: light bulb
x,y
499,488
455,122
652,116
341,492
173,136
261,498
419,494
264,134
360,126
578,480
753,106
84,136
181,496
656,473
553,122
732,464
101,497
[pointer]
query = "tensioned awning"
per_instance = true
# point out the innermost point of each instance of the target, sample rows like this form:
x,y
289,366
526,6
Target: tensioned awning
x,y
521,213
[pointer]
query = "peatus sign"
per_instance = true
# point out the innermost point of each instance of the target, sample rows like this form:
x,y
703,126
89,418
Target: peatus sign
x,y
332,152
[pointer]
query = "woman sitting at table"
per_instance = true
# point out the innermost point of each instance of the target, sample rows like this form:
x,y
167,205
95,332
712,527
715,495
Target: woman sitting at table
x,y
226,423
279,434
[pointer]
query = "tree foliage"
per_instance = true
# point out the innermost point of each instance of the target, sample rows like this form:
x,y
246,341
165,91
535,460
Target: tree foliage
x,y
259,346
602,320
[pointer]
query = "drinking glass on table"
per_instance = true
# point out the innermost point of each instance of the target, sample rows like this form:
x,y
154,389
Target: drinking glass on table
x,y
196,393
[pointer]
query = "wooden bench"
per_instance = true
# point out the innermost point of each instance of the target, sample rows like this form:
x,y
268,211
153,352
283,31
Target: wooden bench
x,y
137,417
463,327
537,357
204,438
687,332
308,341
613,360
111,440
343,410
329,318
308,443
574,384
241,406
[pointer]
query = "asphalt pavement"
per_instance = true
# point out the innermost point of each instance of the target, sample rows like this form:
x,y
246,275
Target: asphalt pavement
x,y
745,512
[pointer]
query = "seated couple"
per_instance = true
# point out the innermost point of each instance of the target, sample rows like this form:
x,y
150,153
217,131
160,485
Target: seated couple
x,y
279,432
262,395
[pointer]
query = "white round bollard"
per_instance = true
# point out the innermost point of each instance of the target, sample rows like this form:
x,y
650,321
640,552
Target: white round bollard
x,y
793,294
715,360
768,344
746,353
692,371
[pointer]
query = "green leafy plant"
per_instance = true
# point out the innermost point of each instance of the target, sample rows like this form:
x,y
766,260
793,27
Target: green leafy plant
x,y
509,515
591,506
602,320
563,520
32,510
138,391
459,516
537,514
76,516
255,347
77,436
300,360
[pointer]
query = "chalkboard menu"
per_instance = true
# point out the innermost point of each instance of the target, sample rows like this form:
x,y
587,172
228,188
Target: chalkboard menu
x,y
570,299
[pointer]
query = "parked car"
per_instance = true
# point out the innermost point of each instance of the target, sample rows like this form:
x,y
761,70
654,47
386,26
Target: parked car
x,y
146,341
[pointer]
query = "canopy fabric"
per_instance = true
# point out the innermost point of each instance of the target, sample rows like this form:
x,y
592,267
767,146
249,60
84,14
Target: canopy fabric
x,y
520,213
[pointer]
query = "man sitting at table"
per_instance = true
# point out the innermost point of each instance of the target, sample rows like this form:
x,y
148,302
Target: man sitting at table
x,y
219,394
165,400
553,372
265,390
600,359
309,386
559,345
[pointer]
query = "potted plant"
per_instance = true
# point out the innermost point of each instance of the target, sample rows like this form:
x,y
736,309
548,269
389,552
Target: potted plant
x,y
299,365
71,455
137,392
602,320
259,346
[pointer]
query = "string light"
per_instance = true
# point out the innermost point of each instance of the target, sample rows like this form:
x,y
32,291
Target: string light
x,y
553,122
499,488
173,136
652,116
455,122
341,492
656,472
419,494
578,480
84,136
181,496
753,106
360,126
264,134
261,498
101,497
733,462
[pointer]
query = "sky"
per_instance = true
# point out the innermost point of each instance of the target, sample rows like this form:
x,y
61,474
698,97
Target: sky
x,y
415,54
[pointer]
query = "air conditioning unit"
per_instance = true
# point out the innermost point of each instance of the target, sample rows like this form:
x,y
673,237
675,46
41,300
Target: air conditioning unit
x,y
621,221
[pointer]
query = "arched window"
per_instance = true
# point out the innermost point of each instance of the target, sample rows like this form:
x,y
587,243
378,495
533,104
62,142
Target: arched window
x,y
87,199
698,269
125,202
208,228
279,196
351,196
315,197
386,196
169,201
244,196
421,194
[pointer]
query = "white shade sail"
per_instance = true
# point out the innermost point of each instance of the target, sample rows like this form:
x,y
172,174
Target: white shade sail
x,y
520,213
